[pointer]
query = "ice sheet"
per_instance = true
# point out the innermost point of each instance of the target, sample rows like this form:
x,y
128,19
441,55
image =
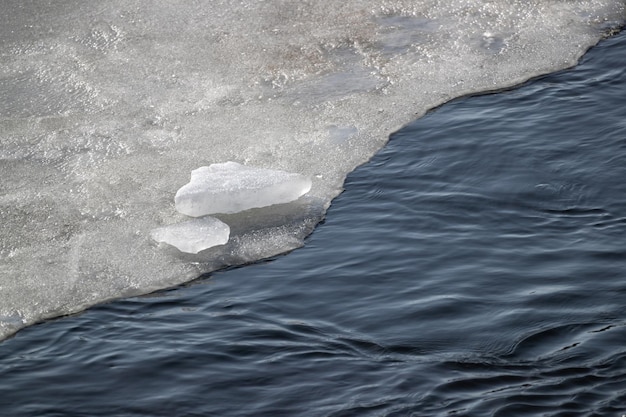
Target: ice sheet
x,y
105,108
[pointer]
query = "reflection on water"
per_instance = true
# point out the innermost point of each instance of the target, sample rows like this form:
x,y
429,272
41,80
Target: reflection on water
x,y
474,267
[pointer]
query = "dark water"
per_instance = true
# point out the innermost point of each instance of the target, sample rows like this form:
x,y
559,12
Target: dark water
x,y
477,266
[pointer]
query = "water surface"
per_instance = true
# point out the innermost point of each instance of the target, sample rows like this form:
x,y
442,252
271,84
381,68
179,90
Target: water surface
x,y
476,266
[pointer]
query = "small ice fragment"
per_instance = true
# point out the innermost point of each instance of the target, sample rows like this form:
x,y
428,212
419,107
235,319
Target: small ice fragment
x,y
231,187
193,236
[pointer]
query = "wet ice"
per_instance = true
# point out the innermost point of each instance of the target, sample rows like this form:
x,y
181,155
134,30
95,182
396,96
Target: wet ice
x,y
194,235
231,187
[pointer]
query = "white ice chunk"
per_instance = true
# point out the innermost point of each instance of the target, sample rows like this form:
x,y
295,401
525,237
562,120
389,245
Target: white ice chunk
x,y
231,187
193,236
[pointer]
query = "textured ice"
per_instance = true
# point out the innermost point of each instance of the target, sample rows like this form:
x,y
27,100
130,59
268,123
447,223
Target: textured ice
x,y
231,187
103,111
194,235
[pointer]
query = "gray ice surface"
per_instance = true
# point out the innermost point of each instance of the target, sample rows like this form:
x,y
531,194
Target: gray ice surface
x,y
105,108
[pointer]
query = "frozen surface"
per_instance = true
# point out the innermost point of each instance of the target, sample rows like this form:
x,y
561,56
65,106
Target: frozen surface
x,y
106,107
193,236
230,187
